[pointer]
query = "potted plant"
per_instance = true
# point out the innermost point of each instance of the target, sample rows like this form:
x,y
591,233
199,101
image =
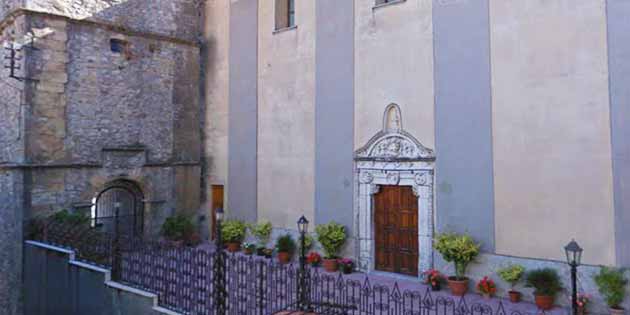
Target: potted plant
x,y
434,279
233,232
267,252
346,265
262,233
249,248
546,284
314,259
286,247
512,274
582,303
611,283
487,287
332,237
179,230
461,250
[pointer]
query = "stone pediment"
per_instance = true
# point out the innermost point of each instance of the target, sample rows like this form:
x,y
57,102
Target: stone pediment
x,y
393,143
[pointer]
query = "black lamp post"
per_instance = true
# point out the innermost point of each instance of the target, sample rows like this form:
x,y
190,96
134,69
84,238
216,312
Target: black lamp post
x,y
303,284
574,258
219,279
116,263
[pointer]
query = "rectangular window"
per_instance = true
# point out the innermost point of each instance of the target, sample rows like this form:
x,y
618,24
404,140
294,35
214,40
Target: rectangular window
x,y
285,14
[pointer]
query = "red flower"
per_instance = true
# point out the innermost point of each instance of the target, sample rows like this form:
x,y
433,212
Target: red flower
x,y
487,286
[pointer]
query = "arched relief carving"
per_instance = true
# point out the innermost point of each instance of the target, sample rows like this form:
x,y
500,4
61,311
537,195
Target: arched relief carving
x,y
394,157
393,143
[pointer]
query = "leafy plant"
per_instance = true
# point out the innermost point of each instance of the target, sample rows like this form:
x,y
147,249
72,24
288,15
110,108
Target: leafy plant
x,y
178,228
545,282
612,286
233,231
262,232
512,274
285,244
458,249
308,243
332,237
65,216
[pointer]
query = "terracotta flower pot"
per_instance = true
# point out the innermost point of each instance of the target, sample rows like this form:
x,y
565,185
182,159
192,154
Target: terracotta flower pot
x,y
544,302
581,310
330,265
284,258
458,287
487,296
617,311
233,247
515,296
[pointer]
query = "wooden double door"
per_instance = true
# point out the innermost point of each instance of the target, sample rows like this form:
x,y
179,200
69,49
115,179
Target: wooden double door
x,y
396,230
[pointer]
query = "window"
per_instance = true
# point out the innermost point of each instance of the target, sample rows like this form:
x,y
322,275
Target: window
x,y
285,14
118,45
383,2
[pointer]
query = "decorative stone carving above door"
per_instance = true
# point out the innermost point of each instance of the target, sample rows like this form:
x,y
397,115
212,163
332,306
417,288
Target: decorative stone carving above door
x,y
393,157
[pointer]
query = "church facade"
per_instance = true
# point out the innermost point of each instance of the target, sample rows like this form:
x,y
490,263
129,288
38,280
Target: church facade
x,y
400,119
504,120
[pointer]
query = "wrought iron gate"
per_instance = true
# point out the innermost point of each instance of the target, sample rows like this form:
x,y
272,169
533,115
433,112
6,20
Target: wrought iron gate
x,y
119,209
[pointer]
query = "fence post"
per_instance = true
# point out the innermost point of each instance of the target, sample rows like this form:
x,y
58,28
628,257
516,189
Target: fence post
x,y
260,296
116,253
219,277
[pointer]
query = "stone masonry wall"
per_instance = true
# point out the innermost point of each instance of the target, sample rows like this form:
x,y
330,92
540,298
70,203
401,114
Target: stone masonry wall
x,y
7,6
11,180
11,100
177,18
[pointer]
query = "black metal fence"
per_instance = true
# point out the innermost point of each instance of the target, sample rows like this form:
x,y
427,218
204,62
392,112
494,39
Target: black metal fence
x,y
186,280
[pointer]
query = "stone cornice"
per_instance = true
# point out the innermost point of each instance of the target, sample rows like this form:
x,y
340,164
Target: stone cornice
x,y
88,165
9,18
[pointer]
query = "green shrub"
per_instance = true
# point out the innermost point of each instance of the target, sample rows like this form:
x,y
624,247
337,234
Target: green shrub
x,y
178,228
544,281
461,250
332,237
612,286
262,232
308,243
512,274
65,216
285,244
233,231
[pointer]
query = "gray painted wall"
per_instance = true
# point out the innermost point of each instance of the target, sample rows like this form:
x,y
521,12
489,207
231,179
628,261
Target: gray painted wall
x,y
334,112
619,71
463,119
53,286
243,108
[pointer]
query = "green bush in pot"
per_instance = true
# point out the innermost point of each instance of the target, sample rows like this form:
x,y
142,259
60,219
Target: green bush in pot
x,y
460,250
233,233
611,283
332,237
546,284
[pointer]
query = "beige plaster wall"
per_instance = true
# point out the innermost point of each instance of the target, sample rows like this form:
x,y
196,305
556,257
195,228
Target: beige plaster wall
x,y
394,64
216,72
553,173
286,122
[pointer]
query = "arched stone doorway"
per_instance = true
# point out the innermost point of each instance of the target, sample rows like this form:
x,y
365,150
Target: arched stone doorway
x,y
393,158
119,203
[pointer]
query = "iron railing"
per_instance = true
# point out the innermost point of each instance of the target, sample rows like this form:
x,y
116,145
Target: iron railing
x,y
185,280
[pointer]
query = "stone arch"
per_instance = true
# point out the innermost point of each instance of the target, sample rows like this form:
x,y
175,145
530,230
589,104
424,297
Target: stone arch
x,y
119,207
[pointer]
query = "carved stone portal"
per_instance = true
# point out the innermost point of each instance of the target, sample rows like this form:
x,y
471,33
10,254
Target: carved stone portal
x,y
394,157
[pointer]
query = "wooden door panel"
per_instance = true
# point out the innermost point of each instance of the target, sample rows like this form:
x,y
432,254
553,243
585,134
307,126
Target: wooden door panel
x,y
396,230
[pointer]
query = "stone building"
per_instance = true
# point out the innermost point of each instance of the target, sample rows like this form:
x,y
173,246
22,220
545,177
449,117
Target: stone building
x,y
103,108
503,119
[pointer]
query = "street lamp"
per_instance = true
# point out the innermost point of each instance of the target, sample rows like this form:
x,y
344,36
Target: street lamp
x,y
219,279
303,225
303,284
574,259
